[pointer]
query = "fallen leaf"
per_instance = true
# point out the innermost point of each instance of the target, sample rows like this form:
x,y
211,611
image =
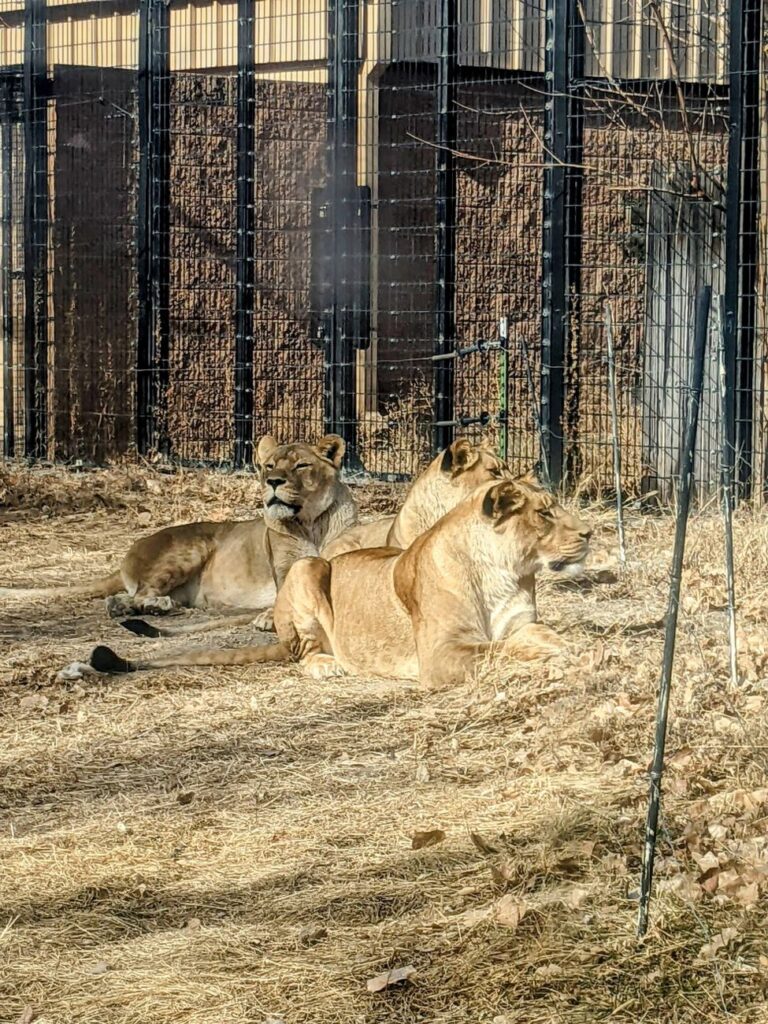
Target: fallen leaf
x,y
509,912
144,518
720,941
680,758
709,882
707,862
422,773
481,844
747,895
472,917
574,896
100,968
312,933
389,978
420,840
503,872
684,885
27,1016
185,798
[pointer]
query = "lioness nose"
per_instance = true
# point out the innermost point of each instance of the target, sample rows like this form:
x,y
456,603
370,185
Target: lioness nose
x,y
585,532
275,481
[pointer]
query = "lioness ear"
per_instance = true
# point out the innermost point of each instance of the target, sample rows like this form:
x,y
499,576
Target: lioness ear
x,y
458,457
266,446
332,447
503,500
531,478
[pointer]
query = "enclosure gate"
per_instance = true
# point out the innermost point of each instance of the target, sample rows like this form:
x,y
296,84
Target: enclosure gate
x,y
397,220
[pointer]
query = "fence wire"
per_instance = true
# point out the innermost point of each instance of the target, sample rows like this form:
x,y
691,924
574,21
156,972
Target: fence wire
x,y
399,220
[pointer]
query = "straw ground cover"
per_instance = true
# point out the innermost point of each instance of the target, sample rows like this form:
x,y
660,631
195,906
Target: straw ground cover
x,y
248,845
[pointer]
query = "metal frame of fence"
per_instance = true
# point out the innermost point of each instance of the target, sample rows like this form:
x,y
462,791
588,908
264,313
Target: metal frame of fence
x,y
568,92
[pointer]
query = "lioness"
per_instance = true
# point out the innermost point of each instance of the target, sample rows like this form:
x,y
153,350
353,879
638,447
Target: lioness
x,y
450,477
432,612
235,564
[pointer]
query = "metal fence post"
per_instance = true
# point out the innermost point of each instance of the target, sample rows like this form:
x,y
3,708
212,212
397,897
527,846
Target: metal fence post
x,y
445,226
35,111
342,314
246,267
153,225
562,215
9,427
741,231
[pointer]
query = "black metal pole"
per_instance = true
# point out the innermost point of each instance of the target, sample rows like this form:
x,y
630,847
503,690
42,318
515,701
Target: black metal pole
x,y
153,225
341,317
562,215
144,341
685,491
445,225
246,267
726,487
741,231
35,229
9,443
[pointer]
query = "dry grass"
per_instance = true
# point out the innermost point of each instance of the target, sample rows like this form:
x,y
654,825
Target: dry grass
x,y
167,837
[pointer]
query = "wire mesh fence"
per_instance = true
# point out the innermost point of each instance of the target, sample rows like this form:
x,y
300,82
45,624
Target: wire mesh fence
x,y
398,220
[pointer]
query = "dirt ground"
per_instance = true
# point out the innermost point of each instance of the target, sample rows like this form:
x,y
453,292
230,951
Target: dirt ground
x,y
247,845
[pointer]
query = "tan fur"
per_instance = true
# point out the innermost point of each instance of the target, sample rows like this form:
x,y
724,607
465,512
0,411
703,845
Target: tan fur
x,y
447,480
237,565
433,612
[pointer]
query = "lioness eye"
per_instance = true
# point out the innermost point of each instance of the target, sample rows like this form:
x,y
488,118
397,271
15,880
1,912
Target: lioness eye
x,y
269,466
303,465
546,513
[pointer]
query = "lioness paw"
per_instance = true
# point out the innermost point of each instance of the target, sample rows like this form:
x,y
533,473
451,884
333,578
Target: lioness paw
x,y
118,606
321,666
264,621
157,605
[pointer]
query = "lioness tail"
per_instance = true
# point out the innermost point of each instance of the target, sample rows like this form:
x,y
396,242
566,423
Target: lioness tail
x,y
104,587
104,659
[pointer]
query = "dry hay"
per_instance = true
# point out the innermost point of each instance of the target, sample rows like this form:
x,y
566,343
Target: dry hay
x,y
237,846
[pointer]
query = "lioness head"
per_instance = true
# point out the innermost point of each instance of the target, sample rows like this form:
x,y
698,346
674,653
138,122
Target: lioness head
x,y
466,466
300,481
542,534
451,477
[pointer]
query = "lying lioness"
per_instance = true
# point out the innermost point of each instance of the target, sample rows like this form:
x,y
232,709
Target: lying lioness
x,y
432,612
234,564
450,477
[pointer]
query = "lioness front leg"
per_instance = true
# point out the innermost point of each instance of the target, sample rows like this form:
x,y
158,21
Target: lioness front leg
x,y
142,602
304,617
321,666
530,642
452,662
